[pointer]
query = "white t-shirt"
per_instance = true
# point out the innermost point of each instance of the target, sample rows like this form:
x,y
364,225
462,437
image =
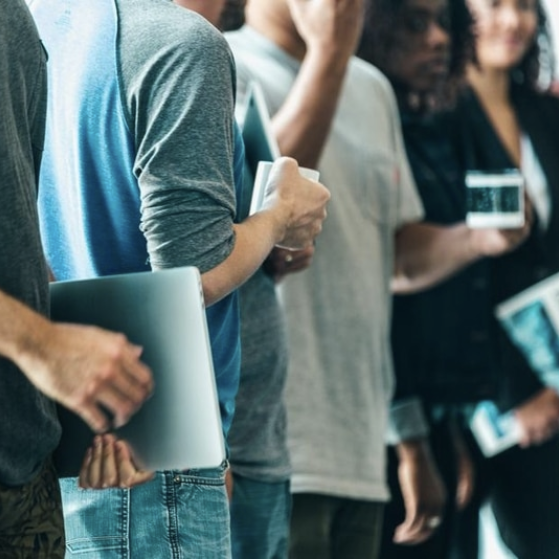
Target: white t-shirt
x,y
340,379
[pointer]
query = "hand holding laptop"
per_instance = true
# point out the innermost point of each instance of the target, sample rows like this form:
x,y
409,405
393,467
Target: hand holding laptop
x,y
180,426
109,463
89,371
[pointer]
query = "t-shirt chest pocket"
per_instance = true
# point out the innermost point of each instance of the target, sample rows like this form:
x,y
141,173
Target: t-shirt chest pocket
x,y
380,180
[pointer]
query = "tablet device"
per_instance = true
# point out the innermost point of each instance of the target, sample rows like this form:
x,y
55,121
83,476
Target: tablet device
x,y
179,427
260,143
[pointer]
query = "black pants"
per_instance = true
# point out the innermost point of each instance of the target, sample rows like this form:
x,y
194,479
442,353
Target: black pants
x,y
522,486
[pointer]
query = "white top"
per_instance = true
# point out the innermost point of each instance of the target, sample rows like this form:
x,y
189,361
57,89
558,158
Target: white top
x,y
536,182
340,380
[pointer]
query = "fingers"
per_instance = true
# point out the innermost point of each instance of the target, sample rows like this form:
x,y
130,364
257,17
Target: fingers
x,y
538,418
91,473
417,529
92,415
83,479
465,486
229,483
109,463
301,201
141,380
335,22
130,388
464,492
120,386
128,474
290,261
538,434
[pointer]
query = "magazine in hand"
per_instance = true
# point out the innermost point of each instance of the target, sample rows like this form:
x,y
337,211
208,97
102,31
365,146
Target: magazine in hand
x,y
531,320
493,430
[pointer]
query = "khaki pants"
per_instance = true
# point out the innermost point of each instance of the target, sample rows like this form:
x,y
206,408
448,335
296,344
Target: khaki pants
x,y
31,522
324,527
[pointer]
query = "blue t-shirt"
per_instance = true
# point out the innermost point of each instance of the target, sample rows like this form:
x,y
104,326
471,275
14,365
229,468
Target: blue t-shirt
x,y
137,170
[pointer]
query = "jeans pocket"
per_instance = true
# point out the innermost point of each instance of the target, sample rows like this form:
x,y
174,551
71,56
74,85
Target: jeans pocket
x,y
95,521
204,476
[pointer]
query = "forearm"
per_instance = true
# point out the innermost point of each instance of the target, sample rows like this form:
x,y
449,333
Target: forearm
x,y
427,254
254,240
21,330
303,123
413,450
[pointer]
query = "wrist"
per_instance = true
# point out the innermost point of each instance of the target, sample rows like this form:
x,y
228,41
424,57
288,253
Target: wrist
x,y
277,219
413,449
327,57
476,244
30,341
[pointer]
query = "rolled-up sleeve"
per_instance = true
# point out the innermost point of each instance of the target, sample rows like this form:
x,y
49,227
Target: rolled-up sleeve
x,y
181,105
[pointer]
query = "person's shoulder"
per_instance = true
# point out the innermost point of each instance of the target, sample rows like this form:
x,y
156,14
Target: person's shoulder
x,y
537,102
363,74
238,39
251,48
163,26
548,98
360,69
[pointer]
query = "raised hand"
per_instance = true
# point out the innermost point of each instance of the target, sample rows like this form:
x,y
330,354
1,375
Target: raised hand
x,y
331,26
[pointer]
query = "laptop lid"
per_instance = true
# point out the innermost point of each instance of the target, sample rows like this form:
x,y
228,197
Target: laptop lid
x,y
179,427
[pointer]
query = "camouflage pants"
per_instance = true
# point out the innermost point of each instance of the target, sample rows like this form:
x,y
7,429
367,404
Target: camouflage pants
x,y
31,522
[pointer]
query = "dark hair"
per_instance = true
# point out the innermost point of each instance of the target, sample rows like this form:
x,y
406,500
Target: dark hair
x,y
536,69
381,18
233,15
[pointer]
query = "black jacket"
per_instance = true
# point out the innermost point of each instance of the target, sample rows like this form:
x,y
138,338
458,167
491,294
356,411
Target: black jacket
x,y
448,347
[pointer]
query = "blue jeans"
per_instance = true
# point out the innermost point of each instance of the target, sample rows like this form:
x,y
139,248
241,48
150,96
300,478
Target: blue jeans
x,y
175,516
260,513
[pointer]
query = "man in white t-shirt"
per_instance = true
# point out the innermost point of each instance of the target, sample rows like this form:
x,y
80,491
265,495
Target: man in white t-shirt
x,y
337,113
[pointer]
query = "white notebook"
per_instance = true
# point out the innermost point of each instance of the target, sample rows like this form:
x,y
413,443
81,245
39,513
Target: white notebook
x,y
179,427
260,142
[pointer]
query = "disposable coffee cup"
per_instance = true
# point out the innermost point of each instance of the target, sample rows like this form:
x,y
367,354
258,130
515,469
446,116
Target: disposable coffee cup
x,y
495,200
261,183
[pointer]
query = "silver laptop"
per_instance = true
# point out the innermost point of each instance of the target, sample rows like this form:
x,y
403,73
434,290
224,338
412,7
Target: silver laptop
x,y
179,427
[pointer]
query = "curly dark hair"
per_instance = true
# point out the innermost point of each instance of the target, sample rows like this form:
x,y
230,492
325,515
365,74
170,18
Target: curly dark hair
x,y
536,69
381,18
233,15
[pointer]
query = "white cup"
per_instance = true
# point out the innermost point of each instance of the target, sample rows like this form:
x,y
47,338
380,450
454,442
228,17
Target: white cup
x,y
259,190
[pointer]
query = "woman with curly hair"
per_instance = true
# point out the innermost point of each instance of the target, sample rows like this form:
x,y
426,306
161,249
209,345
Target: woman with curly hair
x,y
506,118
448,349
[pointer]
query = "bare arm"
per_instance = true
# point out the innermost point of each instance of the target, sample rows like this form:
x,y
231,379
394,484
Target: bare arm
x,y
83,368
423,492
292,217
427,254
330,30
